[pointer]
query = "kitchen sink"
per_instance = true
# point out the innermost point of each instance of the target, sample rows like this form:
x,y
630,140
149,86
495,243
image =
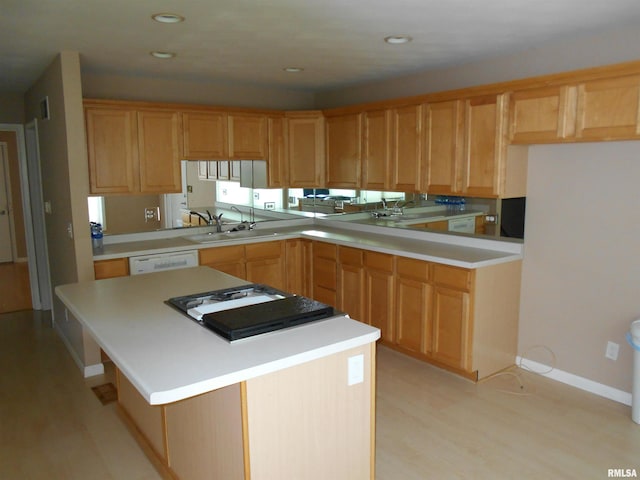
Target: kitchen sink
x,y
230,235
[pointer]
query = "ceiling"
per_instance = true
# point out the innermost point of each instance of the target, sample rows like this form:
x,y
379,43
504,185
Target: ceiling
x,y
337,42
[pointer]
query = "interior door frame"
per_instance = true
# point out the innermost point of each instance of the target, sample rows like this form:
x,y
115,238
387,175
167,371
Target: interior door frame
x,y
7,181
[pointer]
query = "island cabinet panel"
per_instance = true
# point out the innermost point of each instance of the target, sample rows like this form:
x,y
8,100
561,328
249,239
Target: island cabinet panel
x,y
299,257
116,267
379,293
444,139
343,148
265,263
542,115
160,151
112,137
148,419
248,136
484,145
305,149
376,150
229,260
413,306
313,400
325,273
205,135
350,282
609,109
205,437
406,148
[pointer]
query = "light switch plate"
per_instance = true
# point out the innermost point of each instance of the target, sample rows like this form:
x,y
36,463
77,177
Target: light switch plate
x,y
355,370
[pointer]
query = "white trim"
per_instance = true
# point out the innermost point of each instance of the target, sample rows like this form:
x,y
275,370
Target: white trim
x,y
9,198
93,370
582,383
87,370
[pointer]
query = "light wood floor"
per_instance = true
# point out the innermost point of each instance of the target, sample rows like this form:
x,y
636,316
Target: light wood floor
x,y
430,424
15,292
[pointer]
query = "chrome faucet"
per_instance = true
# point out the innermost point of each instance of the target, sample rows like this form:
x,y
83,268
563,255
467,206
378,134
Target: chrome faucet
x,y
208,221
233,207
218,221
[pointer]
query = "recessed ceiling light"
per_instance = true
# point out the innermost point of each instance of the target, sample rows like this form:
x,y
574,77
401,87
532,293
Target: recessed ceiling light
x,y
167,17
293,69
163,55
398,39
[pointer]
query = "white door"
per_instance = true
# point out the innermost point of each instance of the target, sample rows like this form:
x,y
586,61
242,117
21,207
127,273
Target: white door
x,y
6,251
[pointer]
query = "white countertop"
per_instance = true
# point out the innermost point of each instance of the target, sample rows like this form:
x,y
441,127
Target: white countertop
x,y
169,357
457,250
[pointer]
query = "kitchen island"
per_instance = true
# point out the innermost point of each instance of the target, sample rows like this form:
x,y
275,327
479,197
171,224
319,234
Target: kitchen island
x,y
295,403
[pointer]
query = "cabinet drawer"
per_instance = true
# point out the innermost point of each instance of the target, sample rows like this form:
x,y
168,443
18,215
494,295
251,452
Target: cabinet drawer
x,y
221,254
410,268
458,278
257,251
324,250
350,256
379,261
118,267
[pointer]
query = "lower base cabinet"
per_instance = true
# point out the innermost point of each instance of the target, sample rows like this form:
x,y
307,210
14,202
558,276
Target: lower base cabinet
x,y
282,425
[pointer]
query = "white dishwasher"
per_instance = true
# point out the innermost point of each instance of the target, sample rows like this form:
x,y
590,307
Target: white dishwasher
x,y
464,225
162,261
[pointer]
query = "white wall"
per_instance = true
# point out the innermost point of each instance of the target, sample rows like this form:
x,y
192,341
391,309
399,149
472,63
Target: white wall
x,y
581,270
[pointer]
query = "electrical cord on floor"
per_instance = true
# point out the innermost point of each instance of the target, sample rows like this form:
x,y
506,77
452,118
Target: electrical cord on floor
x,y
526,368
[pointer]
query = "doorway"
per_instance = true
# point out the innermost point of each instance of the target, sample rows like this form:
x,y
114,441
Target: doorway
x,y
7,237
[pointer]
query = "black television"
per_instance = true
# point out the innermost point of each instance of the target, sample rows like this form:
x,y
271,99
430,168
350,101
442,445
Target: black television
x,y
512,221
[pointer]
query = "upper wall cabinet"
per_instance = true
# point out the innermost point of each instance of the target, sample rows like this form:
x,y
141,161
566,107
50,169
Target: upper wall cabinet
x,y
305,149
133,151
343,150
376,150
205,135
444,135
542,115
406,148
609,109
248,138
277,172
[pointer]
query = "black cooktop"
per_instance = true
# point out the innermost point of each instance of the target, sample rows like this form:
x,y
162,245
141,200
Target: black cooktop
x,y
276,311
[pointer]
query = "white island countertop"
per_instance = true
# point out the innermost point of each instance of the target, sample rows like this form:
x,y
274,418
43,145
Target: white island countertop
x,y
170,357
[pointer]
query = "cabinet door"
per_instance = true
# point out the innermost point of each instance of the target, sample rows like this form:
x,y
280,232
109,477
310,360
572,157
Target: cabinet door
x,y
306,149
203,170
324,273
379,293
542,115
344,137
226,259
112,150
247,136
407,148
484,119
451,327
413,305
350,282
212,170
444,140
159,151
117,267
234,170
265,264
376,150
277,162
224,173
609,109
205,135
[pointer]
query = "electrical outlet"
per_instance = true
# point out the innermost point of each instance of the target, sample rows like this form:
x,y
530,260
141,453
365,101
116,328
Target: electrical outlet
x,y
269,205
256,195
612,351
149,214
355,370
292,200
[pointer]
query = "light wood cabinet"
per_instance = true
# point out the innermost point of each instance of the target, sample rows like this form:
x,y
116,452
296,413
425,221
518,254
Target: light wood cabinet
x,y
116,267
277,171
379,293
484,149
350,282
343,149
406,148
444,141
609,109
299,257
229,259
376,150
305,149
248,139
205,135
542,115
413,306
159,151
324,273
132,150
265,264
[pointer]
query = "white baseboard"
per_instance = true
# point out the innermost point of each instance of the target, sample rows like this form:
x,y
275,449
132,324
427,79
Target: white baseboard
x,y
93,370
582,383
87,370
